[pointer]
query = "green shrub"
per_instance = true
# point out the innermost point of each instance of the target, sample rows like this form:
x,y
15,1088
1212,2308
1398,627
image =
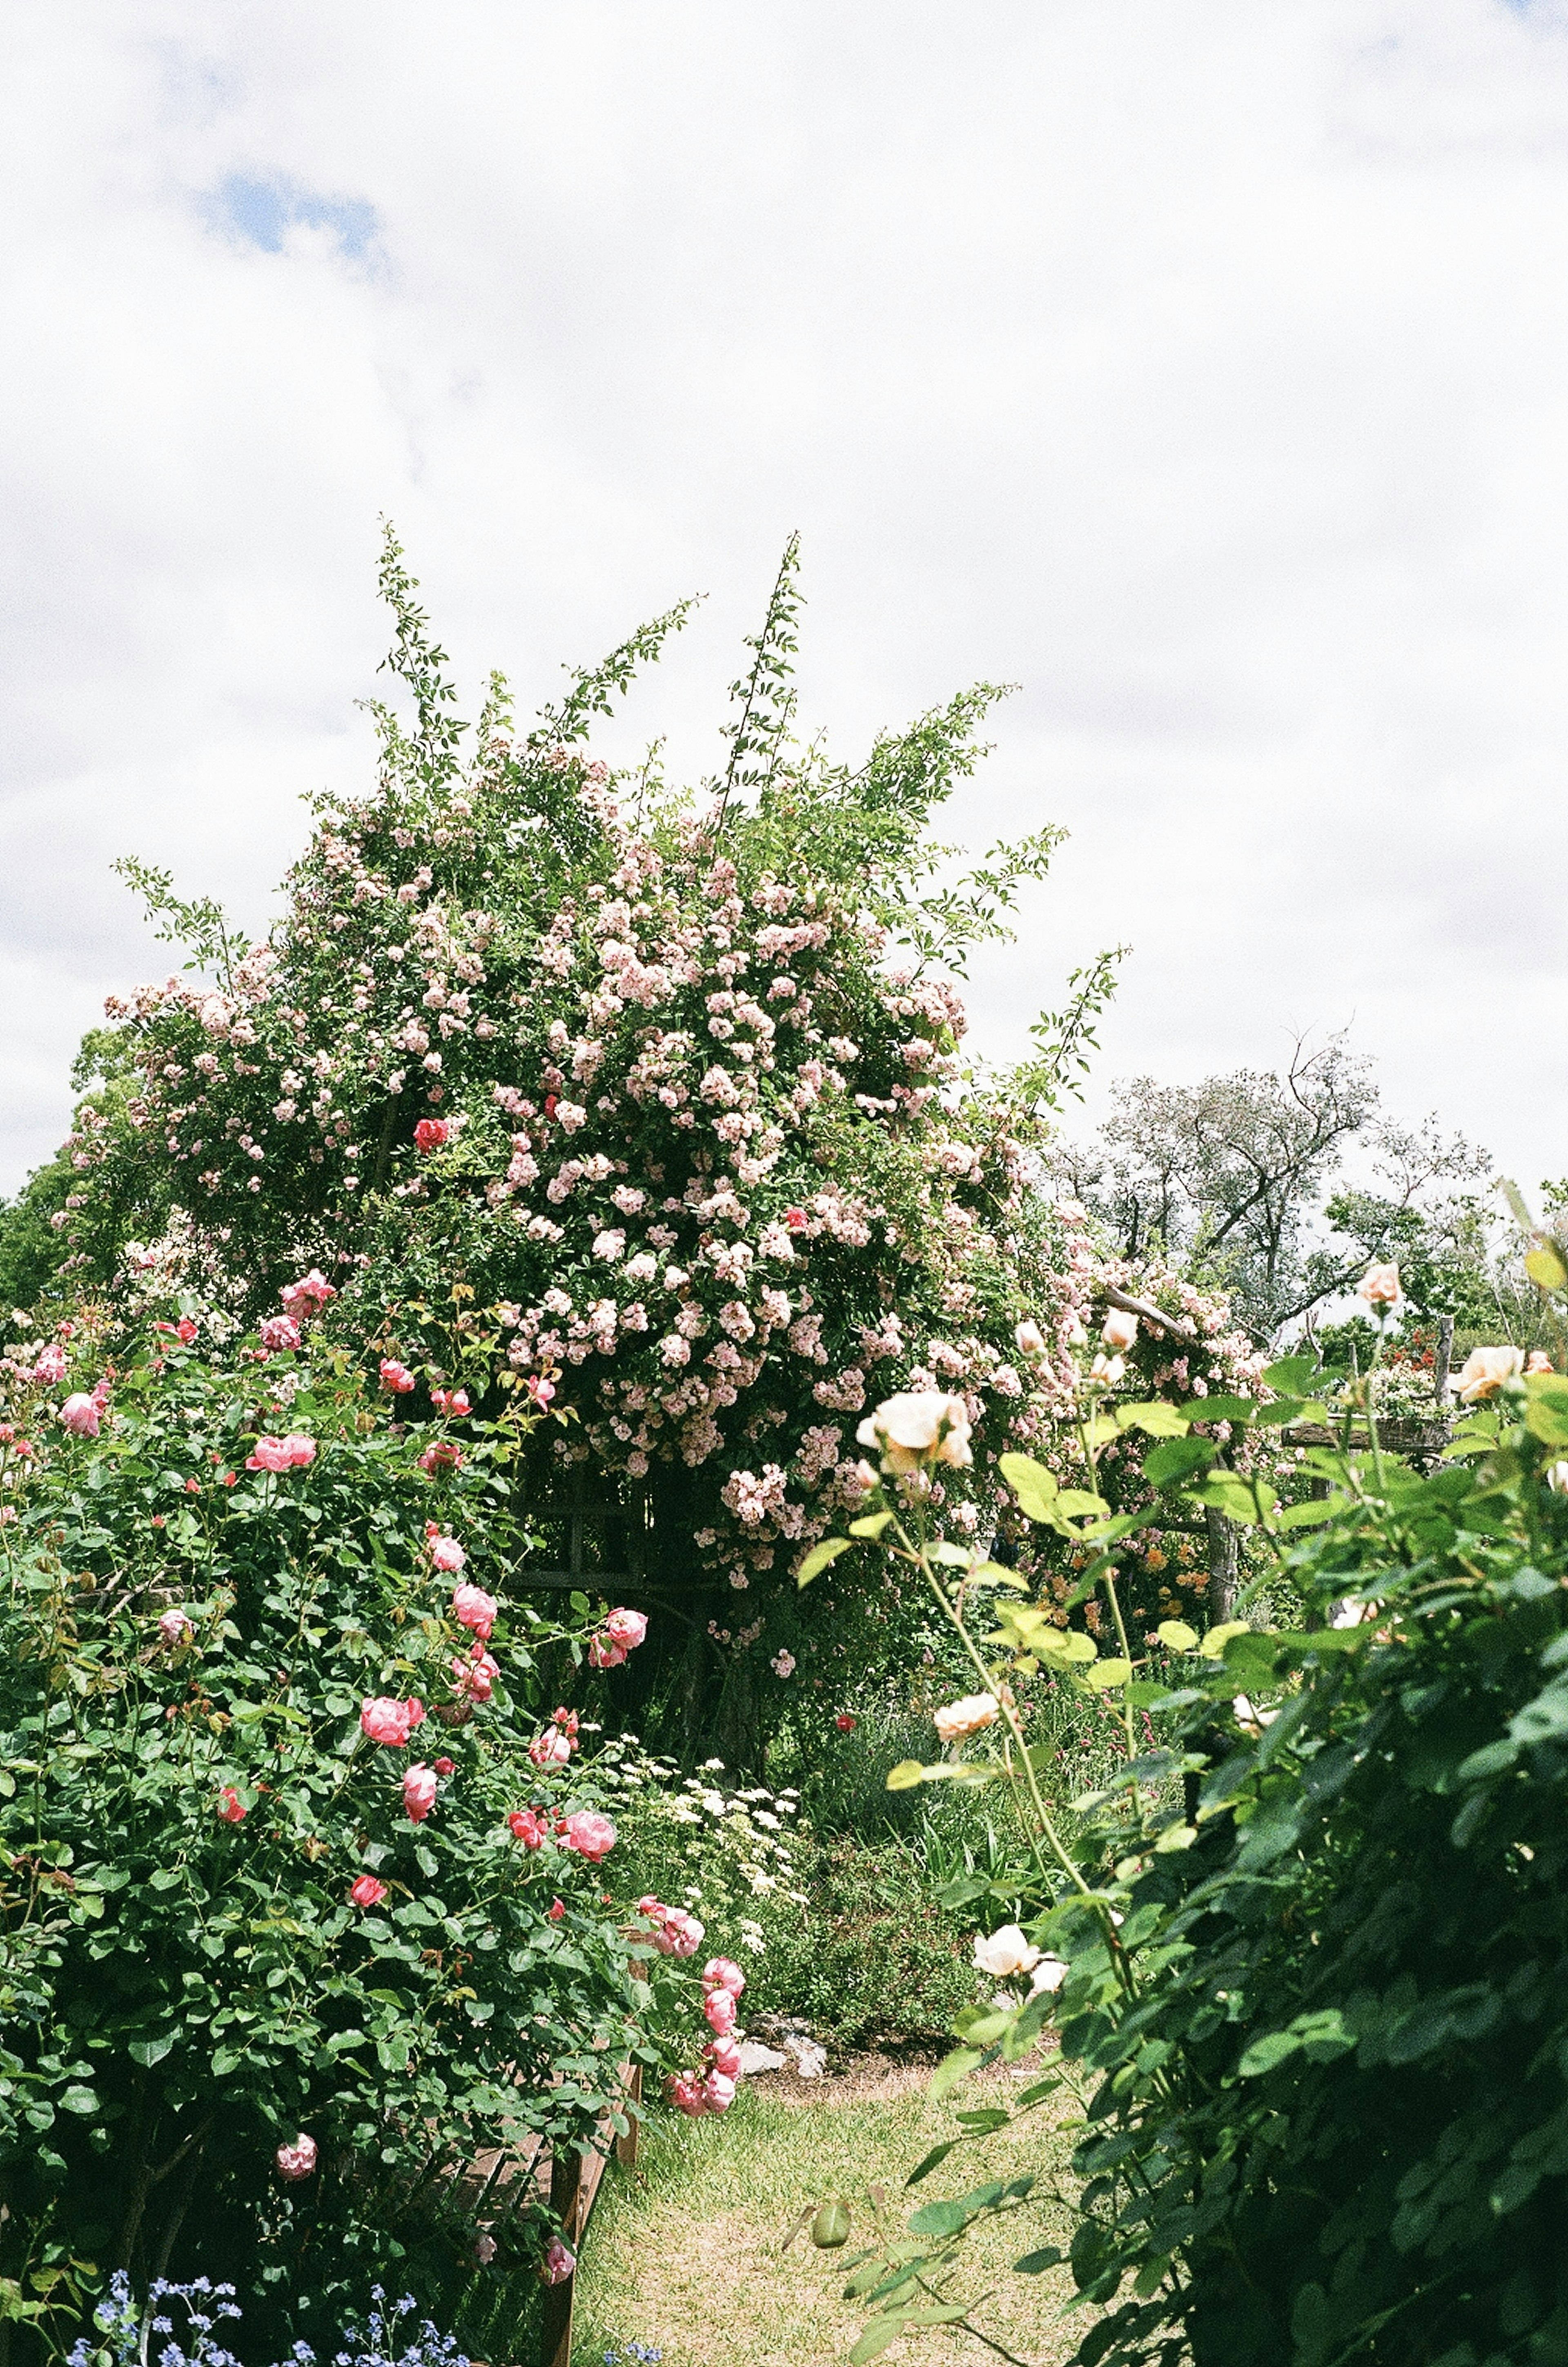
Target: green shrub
x,y
224,1926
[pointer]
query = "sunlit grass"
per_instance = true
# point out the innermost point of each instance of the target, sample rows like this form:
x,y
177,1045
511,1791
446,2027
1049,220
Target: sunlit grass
x,y
686,2253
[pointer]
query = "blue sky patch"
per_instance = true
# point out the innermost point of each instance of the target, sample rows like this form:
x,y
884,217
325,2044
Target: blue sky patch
x,y
262,212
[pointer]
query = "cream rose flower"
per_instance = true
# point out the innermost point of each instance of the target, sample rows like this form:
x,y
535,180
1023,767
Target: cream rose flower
x,y
1118,1328
967,1716
917,1426
1048,1974
1029,1339
1486,1370
1379,1286
1006,1951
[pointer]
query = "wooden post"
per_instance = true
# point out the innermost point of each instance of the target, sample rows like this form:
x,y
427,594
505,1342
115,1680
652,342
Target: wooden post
x,y
625,2148
566,2188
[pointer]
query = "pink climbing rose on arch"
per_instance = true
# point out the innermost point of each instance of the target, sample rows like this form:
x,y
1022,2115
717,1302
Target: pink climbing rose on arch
x,y
391,1722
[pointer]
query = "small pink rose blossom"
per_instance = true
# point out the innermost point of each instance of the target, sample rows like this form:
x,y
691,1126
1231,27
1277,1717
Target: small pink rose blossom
x,y
560,2262
441,1456
602,1654
527,1827
551,1749
718,2013
391,1721
297,2160
475,1677
367,1891
80,1415
279,1331
591,1835
306,1296
685,2093
431,1133
627,1628
724,2054
230,1807
724,1973
448,1554
173,1627
474,1609
421,1785
718,2090
395,1377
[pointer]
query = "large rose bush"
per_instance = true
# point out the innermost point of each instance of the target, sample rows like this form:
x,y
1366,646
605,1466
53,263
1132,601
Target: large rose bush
x,y
675,1086
302,1883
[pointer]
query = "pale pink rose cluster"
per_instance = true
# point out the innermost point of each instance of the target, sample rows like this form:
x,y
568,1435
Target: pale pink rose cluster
x,y
295,1453
623,1632
710,2086
969,1715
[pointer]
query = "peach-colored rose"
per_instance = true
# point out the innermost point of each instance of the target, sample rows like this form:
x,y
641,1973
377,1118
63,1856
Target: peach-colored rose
x,y
1118,1328
1379,1286
1107,1371
917,1426
1005,1953
1486,1370
1538,1361
967,1716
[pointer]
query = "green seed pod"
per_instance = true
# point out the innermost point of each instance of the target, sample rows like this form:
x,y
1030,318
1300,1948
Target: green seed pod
x,y
832,2225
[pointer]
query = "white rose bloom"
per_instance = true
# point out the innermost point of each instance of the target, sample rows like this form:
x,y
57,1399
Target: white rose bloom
x,y
1006,1951
1048,1974
917,1426
967,1716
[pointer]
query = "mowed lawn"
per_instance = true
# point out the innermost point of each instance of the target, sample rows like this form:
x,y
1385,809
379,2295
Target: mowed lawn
x,y
685,2252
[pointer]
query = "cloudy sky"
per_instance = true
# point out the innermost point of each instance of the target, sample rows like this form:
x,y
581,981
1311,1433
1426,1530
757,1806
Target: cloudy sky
x,y
1201,367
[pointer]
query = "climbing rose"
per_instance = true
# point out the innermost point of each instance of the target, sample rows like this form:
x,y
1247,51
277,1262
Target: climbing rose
x,y
367,1891
279,1331
448,1555
527,1827
1379,1286
602,1654
591,1835
473,1608
725,2055
1118,1328
723,1973
307,1297
419,1785
718,2012
627,1628
173,1627
476,1676
1486,1370
917,1426
395,1377
440,1455
551,1749
556,1911
297,2160
845,1723
680,1934
282,1454
1006,1951
391,1721
967,1716
685,2093
80,1415
450,1400
228,1807
431,1133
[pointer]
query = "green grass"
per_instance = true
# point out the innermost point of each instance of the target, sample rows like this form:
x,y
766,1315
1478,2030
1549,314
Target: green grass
x,y
686,2253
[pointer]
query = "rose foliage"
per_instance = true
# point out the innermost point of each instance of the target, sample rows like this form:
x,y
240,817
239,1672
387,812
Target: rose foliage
x,y
300,1899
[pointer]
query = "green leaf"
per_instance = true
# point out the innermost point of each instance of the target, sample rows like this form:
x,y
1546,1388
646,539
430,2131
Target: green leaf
x,y
932,2160
950,1557
953,2069
1033,2262
878,2335
1545,1267
1174,1459
1292,1377
1034,1486
817,1559
1264,2053
871,1527
1079,1502
907,1776
1546,1414
830,2227
1105,1673
1176,1634
1244,1500
1157,1419
1311,1515
81,2101
1222,1408
1213,1644
149,2051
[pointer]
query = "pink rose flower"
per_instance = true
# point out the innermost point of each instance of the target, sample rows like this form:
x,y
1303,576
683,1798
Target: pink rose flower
x,y
527,1827
306,1296
591,1835
186,1330
484,2249
551,1749
431,1133
723,1973
367,1891
475,1677
1119,1329
627,1628
448,1555
560,2260
452,1401
279,1331
556,1911
724,2054
173,1627
1379,1286
718,2013
718,2091
395,1377
297,2160
80,1415
391,1721
602,1654
540,1390
680,1935
685,2093
301,1450
229,1805
442,1455
421,1785
447,1767
50,1366
473,1608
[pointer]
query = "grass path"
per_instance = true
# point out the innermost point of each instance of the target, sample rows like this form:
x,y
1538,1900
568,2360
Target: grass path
x,y
684,2253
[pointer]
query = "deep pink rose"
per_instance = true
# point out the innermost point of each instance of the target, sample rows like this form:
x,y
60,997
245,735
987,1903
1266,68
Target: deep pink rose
x,y
421,1785
627,1628
431,1133
309,1296
723,1973
297,2160
395,1377
279,1331
724,2055
186,1330
685,2093
448,1555
602,1654
556,1911
475,1677
528,1827
682,1934
451,1401
80,1415
442,1455
367,1891
391,1721
228,1807
718,2012
718,2091
473,1608
591,1835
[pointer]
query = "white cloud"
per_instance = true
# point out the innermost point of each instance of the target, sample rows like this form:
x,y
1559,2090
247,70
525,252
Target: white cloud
x,y
1202,370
